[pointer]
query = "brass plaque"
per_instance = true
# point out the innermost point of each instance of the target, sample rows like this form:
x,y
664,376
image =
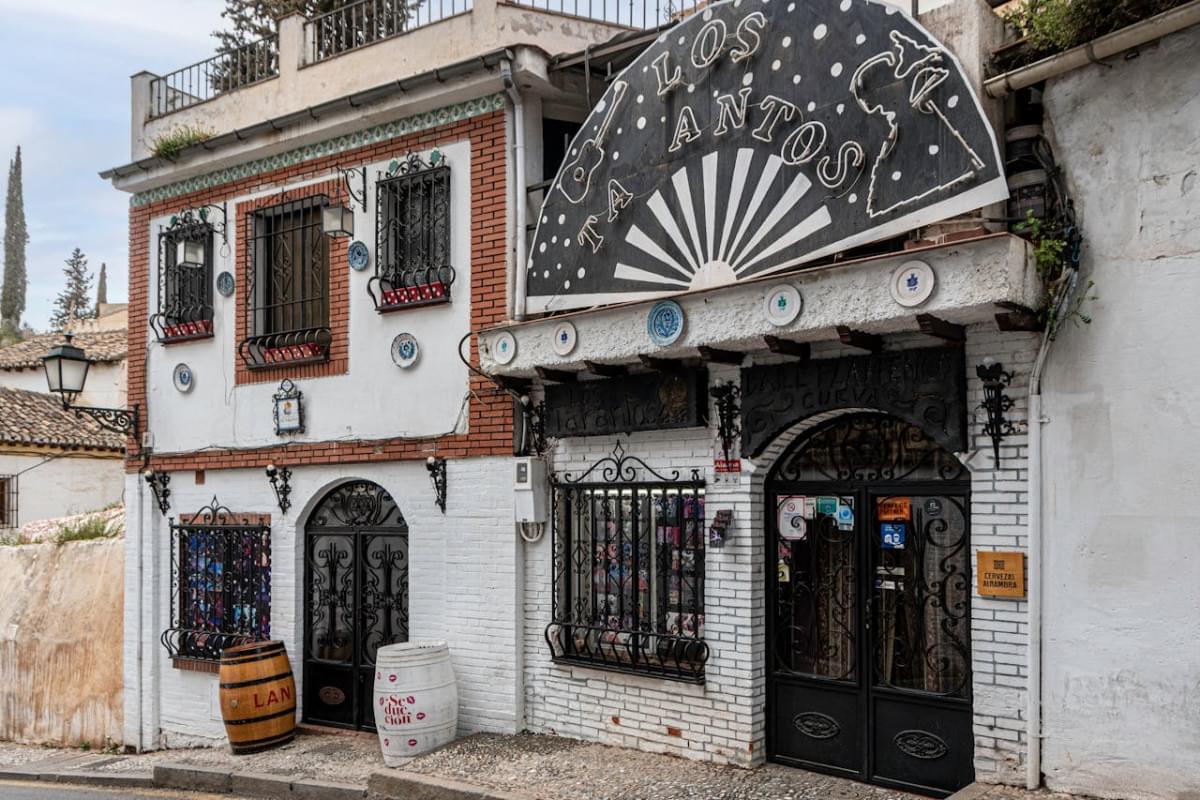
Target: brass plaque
x,y
1000,574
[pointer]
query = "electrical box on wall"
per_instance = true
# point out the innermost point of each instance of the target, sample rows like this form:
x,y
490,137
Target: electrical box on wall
x,y
530,490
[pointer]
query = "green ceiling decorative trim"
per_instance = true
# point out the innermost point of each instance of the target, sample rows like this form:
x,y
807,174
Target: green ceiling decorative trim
x,y
329,147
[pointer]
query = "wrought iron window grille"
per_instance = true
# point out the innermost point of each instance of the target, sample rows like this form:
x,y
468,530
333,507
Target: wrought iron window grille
x,y
220,583
287,285
729,408
8,502
437,476
628,563
185,301
412,234
158,482
280,479
995,403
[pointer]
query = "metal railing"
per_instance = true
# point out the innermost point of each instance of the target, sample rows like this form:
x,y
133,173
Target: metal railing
x,y
224,72
368,21
638,14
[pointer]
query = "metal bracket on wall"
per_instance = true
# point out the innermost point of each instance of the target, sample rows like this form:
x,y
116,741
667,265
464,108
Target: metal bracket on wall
x,y
158,485
281,482
437,475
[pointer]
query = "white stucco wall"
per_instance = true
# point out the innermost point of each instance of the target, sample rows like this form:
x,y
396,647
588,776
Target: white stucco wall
x,y
1122,536
58,487
384,397
463,570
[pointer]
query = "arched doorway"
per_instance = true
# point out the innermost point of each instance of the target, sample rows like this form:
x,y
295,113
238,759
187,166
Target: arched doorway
x,y
868,597
355,600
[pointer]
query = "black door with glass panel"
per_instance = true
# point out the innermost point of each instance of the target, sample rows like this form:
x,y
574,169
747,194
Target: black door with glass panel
x,y
868,590
355,600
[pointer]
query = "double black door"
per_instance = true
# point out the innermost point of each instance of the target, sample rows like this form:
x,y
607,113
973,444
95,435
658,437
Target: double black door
x,y
868,590
356,600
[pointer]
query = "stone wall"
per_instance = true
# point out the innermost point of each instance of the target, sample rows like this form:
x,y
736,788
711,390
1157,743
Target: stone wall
x,y
60,642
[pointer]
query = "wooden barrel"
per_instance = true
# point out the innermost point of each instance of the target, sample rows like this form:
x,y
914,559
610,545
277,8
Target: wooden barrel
x,y
416,699
258,696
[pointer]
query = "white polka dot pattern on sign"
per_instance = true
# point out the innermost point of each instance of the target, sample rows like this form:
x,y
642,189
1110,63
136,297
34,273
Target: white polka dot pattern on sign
x,y
641,123
836,69
896,175
933,149
952,102
820,31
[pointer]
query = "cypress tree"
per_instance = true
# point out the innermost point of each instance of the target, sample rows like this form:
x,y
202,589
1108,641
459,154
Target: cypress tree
x,y
75,300
102,288
16,237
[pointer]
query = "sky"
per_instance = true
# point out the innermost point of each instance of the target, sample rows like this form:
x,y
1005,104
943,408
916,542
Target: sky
x,y
64,97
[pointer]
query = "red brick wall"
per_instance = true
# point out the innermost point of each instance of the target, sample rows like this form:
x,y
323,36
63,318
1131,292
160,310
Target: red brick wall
x,y
490,410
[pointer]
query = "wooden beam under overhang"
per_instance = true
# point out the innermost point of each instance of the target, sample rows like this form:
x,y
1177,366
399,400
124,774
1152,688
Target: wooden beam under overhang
x,y
941,329
510,384
1016,317
606,370
788,347
556,375
713,354
662,364
870,342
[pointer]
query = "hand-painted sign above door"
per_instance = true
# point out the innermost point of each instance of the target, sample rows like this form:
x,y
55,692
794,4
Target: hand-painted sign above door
x,y
752,138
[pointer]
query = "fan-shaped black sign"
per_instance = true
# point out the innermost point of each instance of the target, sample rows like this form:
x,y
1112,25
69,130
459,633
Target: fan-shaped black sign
x,y
753,137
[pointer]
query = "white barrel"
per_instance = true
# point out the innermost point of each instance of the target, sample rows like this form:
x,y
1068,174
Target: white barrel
x,y
416,699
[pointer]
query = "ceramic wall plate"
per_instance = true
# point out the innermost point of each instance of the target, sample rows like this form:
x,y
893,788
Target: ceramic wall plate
x,y
504,348
358,256
564,338
405,350
183,378
225,284
913,283
665,323
782,304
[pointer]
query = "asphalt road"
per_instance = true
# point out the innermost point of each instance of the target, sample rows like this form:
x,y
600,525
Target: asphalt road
x,y
57,791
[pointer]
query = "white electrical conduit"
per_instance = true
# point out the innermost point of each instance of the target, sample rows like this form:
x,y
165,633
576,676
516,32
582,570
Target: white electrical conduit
x,y
520,190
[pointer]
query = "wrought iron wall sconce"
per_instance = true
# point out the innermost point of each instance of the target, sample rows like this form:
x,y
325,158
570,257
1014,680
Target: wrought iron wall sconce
x,y
729,408
535,425
995,402
349,176
281,482
437,475
339,220
66,373
158,484
191,227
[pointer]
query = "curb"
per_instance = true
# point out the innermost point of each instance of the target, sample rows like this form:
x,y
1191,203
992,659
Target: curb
x,y
254,784
973,791
395,784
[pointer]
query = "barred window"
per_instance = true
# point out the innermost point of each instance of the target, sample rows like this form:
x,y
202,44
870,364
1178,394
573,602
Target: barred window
x,y
185,303
8,502
412,234
288,284
220,584
629,577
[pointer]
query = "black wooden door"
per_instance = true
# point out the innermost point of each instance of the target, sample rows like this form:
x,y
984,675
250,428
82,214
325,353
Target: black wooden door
x,y
868,591
356,600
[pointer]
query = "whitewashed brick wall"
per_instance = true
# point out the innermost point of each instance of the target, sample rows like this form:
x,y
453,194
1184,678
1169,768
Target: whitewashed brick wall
x,y
723,720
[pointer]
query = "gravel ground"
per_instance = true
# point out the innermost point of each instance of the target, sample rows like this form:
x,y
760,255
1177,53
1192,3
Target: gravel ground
x,y
14,755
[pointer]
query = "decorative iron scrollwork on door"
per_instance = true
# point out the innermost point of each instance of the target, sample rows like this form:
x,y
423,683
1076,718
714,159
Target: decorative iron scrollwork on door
x,y
816,725
920,744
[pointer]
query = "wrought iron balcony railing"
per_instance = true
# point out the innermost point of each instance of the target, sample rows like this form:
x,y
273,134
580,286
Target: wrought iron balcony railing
x,y
220,74
365,22
626,13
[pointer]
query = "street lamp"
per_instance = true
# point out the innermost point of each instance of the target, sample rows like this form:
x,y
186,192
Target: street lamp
x,y
66,372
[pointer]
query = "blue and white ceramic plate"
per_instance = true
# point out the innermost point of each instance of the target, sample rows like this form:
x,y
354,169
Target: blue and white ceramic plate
x,y
782,304
913,283
225,284
183,377
665,323
564,338
504,348
405,350
359,256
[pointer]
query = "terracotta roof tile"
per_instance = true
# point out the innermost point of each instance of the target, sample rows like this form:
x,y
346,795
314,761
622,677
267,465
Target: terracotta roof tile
x,y
35,418
100,346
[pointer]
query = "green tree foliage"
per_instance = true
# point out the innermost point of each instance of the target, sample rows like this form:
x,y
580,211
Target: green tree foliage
x,y
250,20
74,302
16,237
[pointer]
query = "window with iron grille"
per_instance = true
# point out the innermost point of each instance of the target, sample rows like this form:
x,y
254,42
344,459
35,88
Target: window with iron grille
x,y
629,574
412,234
287,283
220,584
185,305
8,502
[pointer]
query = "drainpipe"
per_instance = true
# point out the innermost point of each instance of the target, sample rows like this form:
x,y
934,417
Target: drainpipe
x,y
1033,694
520,189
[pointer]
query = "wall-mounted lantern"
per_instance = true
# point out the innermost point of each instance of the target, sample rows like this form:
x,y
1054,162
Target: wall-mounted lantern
x,y
66,372
158,484
995,402
337,221
190,253
281,483
437,475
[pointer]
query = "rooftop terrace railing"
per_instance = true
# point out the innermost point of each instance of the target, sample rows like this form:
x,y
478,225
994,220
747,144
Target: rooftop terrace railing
x,y
365,22
638,14
222,73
